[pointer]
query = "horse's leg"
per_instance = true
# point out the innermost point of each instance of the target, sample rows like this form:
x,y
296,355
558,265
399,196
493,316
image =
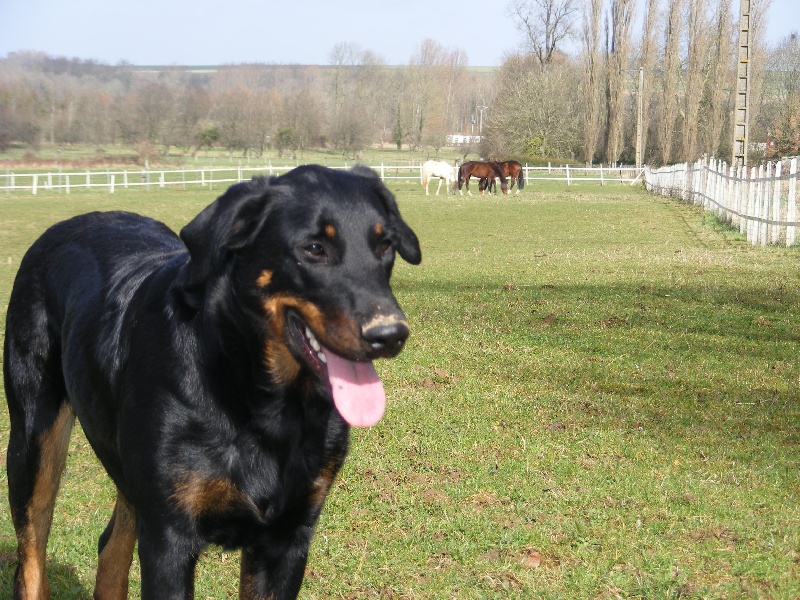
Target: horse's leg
x,y
438,187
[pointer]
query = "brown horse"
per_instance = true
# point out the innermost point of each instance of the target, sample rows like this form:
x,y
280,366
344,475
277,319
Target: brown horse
x,y
512,170
481,170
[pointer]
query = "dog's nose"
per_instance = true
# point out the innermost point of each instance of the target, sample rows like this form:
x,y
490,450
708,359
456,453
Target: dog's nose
x,y
386,339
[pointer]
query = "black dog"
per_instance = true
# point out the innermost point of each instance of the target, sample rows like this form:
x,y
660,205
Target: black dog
x,y
215,375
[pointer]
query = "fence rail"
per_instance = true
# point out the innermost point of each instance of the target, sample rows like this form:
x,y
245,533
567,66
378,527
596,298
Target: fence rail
x,y
67,181
761,202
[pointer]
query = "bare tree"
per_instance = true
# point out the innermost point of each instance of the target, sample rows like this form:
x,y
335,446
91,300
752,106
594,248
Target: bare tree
x,y
784,106
621,18
544,23
648,64
758,68
671,71
592,78
695,75
535,111
355,95
718,94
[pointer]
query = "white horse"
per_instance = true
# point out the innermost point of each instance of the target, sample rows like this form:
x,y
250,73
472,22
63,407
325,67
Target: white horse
x,y
440,169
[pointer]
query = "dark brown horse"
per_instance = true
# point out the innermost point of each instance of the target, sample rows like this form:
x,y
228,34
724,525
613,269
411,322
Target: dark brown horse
x,y
481,170
512,170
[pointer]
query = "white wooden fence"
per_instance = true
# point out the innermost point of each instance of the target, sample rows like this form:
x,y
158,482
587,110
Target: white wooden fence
x,y
761,202
66,182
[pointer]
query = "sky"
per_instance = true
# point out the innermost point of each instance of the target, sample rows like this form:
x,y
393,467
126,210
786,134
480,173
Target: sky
x,y
205,32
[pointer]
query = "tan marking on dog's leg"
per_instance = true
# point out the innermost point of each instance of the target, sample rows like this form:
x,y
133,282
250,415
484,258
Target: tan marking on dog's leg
x,y
247,583
31,583
115,559
322,484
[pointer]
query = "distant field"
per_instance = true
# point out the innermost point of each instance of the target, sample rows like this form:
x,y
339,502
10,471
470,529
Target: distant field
x,y
53,156
600,399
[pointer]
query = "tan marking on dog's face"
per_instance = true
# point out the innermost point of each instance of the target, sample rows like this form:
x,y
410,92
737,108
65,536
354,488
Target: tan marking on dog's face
x,y
330,231
383,320
264,278
32,538
114,561
280,361
378,229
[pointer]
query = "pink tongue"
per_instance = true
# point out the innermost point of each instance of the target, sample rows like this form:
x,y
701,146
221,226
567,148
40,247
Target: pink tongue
x,y
357,390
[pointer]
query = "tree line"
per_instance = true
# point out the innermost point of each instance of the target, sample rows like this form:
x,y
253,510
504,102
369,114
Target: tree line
x,y
570,90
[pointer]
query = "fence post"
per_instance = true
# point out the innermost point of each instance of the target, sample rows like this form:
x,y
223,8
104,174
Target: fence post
x,y
161,180
765,199
35,184
88,180
776,203
125,179
67,183
744,194
602,181
568,180
791,204
111,184
733,190
752,231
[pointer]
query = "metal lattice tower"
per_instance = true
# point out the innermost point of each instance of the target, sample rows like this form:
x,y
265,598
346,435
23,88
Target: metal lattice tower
x,y
741,129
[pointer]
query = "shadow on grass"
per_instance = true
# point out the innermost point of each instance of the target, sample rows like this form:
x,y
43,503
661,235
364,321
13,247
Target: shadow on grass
x,y
64,581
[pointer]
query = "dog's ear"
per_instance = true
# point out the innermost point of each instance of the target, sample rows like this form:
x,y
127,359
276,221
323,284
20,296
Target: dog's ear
x,y
407,242
227,224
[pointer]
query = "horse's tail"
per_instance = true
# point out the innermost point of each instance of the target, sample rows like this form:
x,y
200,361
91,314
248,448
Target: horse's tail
x,y
521,179
460,177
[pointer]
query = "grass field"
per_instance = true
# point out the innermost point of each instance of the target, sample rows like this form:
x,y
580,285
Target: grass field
x,y
600,399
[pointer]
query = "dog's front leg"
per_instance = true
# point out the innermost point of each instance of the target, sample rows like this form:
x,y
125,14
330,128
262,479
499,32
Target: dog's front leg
x,y
266,574
167,563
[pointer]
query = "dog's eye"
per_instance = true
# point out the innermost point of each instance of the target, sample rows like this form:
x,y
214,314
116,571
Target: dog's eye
x,y
316,250
386,246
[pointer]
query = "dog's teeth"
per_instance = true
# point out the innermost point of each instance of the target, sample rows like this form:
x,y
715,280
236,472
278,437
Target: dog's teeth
x,y
312,340
314,343
322,358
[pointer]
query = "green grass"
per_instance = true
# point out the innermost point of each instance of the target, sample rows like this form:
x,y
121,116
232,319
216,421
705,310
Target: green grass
x,y
600,398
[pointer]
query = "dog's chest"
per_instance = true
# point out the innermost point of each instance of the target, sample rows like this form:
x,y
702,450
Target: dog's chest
x,y
261,495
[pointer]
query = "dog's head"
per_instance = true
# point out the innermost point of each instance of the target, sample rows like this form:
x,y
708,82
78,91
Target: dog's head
x,y
311,253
